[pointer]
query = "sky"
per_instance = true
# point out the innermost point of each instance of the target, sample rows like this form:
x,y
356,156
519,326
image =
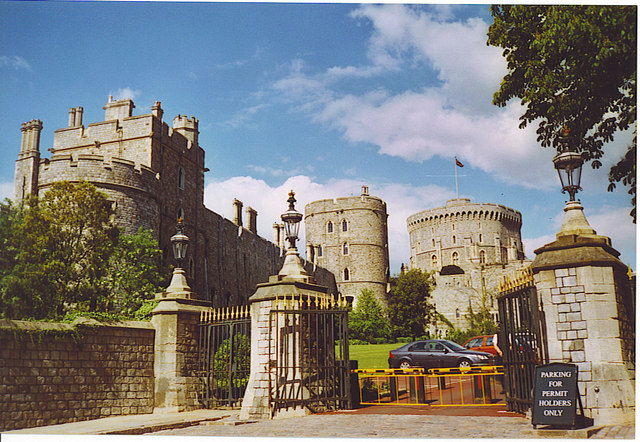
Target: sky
x,y
316,98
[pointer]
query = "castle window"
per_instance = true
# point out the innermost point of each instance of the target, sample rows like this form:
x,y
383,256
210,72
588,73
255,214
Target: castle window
x,y
454,258
480,237
454,239
329,227
457,313
346,275
344,225
345,249
319,251
181,178
433,242
483,257
434,262
453,227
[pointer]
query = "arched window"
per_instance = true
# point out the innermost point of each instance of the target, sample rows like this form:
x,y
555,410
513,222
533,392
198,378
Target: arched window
x,y
434,261
454,258
329,227
345,225
433,242
457,313
181,178
346,274
483,257
454,239
319,251
345,249
480,237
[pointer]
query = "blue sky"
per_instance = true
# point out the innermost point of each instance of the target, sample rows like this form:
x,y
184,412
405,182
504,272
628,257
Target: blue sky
x,y
319,98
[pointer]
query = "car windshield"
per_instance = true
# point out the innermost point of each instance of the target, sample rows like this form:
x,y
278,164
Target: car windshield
x,y
453,346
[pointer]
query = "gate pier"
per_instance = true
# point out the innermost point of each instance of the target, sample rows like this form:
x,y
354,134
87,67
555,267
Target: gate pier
x,y
588,308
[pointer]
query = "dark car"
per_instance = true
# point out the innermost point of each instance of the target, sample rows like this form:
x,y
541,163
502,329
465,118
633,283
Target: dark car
x,y
436,353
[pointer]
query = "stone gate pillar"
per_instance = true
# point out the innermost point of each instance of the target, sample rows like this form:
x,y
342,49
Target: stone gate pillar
x,y
292,283
175,320
588,316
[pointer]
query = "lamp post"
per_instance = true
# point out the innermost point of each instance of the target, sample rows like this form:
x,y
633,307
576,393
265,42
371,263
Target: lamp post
x,y
292,267
568,163
179,244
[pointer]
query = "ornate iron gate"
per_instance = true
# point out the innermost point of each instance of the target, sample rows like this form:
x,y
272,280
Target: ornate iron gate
x,y
520,339
224,350
309,355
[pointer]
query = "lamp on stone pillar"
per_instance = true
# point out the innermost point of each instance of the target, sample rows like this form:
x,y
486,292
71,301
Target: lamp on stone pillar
x,y
179,244
569,166
568,163
292,266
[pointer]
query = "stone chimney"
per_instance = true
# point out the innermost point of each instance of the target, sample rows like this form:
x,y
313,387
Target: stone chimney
x,y
118,110
252,220
237,212
156,110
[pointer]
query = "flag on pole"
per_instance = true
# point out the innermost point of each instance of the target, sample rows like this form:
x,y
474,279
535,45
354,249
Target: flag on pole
x,y
458,163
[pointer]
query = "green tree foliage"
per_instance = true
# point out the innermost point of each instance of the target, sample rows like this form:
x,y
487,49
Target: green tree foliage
x,y
408,307
241,359
575,67
368,321
59,259
134,271
480,324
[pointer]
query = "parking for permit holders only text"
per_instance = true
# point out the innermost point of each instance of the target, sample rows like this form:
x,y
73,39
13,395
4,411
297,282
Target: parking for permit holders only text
x,y
555,395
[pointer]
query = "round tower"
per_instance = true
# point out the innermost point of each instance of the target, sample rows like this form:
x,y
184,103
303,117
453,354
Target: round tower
x,y
348,236
466,235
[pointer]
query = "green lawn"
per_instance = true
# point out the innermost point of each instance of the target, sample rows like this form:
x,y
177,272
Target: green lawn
x,y
372,355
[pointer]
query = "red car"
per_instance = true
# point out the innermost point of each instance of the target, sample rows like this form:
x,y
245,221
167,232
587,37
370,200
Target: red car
x,y
481,343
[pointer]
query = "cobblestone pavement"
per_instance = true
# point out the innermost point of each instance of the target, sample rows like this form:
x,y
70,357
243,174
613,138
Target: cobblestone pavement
x,y
616,432
346,425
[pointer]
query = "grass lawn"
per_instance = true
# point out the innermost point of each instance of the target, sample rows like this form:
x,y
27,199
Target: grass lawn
x,y
372,355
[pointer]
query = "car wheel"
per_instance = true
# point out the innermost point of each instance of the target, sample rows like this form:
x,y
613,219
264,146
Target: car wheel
x,y
405,364
464,363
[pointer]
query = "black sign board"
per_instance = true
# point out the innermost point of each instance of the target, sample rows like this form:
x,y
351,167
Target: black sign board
x,y
555,396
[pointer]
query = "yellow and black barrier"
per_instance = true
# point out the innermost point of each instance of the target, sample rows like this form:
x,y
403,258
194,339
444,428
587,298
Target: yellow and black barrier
x,y
459,386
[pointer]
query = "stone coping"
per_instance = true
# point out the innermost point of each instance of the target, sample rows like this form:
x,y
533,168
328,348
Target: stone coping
x,y
42,325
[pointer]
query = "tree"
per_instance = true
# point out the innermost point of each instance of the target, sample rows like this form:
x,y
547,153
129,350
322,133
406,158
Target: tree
x,y
134,272
62,254
368,321
408,307
572,67
64,240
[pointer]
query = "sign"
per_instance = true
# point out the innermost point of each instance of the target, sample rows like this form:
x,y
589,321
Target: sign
x,y
555,395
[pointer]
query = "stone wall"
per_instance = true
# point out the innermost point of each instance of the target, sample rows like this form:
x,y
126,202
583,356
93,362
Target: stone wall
x,y
55,373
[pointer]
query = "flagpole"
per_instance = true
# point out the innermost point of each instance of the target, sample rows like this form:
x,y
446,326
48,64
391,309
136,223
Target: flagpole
x,y
455,167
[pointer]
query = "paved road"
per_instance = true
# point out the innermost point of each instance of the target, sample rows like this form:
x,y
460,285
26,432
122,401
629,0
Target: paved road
x,y
396,426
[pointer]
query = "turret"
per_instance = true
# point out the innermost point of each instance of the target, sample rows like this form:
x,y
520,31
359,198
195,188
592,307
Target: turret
x,y
27,165
118,110
187,127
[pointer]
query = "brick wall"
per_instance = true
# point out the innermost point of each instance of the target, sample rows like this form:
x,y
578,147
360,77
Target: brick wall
x,y
49,376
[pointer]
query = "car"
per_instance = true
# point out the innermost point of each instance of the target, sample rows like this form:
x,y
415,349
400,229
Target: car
x,y
481,343
436,353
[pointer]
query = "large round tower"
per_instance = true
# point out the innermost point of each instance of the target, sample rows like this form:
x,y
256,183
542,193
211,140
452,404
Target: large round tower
x,y
348,236
469,246
466,235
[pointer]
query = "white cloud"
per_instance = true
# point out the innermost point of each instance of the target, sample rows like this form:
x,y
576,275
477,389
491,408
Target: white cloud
x,y
6,190
127,92
270,202
16,62
454,117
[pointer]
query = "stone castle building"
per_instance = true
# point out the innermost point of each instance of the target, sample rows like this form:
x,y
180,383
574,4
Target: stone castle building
x,y
349,237
154,174
470,247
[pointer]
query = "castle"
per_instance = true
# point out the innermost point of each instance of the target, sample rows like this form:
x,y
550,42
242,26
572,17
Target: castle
x,y
470,247
349,237
153,174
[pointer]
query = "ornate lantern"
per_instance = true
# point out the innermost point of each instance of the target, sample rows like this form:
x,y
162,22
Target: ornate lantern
x,y
291,219
180,243
569,166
